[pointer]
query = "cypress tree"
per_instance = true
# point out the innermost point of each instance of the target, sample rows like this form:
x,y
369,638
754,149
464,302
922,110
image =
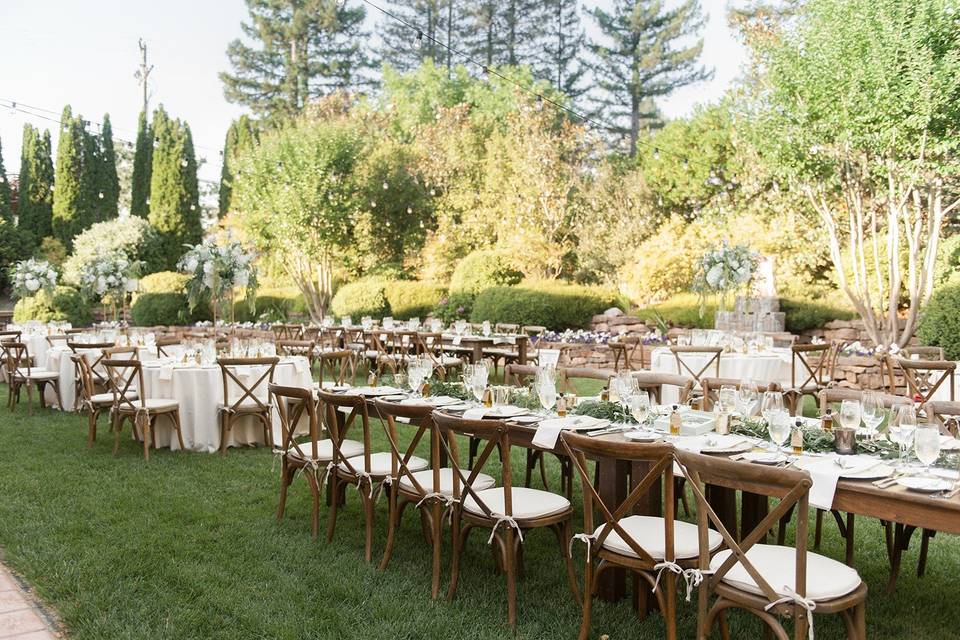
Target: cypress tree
x,y
108,183
91,205
561,50
70,198
6,197
174,191
142,167
35,198
242,135
440,21
645,59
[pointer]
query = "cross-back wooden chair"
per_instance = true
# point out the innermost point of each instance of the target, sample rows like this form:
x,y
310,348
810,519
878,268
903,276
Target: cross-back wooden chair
x,y
506,327
509,512
96,365
335,367
656,548
684,367
711,389
89,399
944,413
163,345
522,375
568,374
387,351
654,382
627,349
767,581
246,401
366,470
811,371
304,348
922,378
124,377
310,332
10,335
22,374
430,344
57,340
288,331
923,353
535,333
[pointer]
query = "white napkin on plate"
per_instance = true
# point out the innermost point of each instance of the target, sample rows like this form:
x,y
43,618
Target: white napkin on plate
x,y
549,430
476,413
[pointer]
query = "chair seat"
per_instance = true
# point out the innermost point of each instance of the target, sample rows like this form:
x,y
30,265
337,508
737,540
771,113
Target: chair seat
x,y
450,361
350,448
380,463
527,503
107,398
827,579
647,531
152,404
425,478
246,405
36,374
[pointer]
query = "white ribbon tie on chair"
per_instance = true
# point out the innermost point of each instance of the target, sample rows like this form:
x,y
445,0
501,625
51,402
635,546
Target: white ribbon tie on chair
x,y
586,538
501,519
692,577
796,598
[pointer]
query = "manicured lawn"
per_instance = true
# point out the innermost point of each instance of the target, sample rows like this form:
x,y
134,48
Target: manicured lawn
x,y
187,546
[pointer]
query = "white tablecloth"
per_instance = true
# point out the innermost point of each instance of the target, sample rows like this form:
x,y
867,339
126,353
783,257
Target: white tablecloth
x,y
37,347
200,389
58,359
766,366
943,393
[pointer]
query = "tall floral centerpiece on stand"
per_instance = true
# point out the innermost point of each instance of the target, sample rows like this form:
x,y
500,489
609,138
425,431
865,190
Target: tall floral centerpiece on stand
x,y
111,278
722,272
217,271
31,276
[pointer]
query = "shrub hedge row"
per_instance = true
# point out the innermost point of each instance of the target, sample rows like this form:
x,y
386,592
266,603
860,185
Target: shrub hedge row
x,y
553,305
377,297
940,324
65,304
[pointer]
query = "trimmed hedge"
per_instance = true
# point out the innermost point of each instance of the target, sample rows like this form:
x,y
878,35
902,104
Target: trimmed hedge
x,y
363,297
164,282
272,305
683,310
940,322
483,269
453,307
553,305
64,305
162,299
411,299
807,314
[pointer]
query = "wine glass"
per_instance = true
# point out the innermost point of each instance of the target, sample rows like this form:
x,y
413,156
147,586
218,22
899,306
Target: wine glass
x,y
873,412
640,407
727,398
547,394
927,445
849,415
902,430
778,427
747,398
772,405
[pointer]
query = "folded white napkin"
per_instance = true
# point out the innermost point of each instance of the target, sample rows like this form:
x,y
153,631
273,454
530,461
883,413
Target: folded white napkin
x,y
476,413
549,430
166,372
693,444
300,364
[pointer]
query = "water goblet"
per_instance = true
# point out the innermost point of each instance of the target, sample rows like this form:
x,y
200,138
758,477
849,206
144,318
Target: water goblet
x,y
926,446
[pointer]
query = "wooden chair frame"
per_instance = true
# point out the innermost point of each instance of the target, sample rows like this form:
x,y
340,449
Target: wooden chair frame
x,y
917,374
338,363
714,361
305,348
567,374
166,342
231,411
86,384
653,382
18,369
122,374
626,347
711,389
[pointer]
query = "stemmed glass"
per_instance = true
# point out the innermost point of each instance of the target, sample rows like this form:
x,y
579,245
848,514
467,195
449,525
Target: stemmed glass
x,y
772,405
778,426
927,445
640,407
902,430
547,394
727,398
873,412
850,411
747,398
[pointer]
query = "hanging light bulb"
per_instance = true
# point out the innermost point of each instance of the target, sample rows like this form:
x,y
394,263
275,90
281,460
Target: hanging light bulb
x,y
193,207
385,186
656,153
433,192
409,210
418,43
183,163
100,195
373,204
388,223
3,179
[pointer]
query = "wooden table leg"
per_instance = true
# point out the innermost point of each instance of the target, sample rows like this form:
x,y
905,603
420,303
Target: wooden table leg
x,y
477,352
724,503
612,487
522,351
753,509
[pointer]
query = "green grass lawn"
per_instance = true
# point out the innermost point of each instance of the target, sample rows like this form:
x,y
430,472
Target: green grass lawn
x,y
187,546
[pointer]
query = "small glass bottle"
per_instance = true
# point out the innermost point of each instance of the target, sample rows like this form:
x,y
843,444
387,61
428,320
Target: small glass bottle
x,y
487,398
561,406
796,437
605,395
826,422
675,420
372,380
723,422
425,389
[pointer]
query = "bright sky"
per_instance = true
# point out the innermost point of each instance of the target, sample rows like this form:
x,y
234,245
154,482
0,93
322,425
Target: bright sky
x,y
55,52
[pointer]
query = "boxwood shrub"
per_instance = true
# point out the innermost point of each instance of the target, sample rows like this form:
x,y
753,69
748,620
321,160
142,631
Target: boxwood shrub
x,y
551,304
161,300
483,269
940,323
65,304
363,297
808,314
411,299
272,305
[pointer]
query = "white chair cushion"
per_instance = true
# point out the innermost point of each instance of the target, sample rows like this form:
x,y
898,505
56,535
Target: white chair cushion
x,y
647,531
106,398
826,578
380,463
449,361
425,478
37,374
246,404
349,448
153,404
527,503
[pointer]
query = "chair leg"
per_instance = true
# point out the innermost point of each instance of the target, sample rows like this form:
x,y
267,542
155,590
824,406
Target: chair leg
x,y
436,526
391,526
29,399
509,561
117,428
224,417
147,435
284,483
455,537
315,503
175,417
587,599
818,530
92,425
562,530
924,547
334,485
368,528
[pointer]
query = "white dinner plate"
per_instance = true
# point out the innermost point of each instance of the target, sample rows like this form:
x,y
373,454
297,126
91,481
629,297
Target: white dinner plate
x,y
642,436
924,485
713,445
764,457
526,419
948,443
462,406
394,398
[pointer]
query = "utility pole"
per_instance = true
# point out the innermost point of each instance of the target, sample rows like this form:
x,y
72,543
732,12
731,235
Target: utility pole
x,y
143,73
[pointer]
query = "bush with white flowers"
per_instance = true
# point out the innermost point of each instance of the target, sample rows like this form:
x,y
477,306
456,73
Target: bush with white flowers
x,y
30,276
111,275
724,270
217,270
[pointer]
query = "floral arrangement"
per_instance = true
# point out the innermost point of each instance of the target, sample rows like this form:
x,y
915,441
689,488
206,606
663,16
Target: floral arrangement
x,y
576,337
30,276
218,270
111,275
724,270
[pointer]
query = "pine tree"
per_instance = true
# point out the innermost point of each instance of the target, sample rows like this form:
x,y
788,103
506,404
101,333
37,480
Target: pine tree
x,y
304,49
481,33
242,135
644,59
35,197
504,32
70,198
174,191
561,48
6,196
108,183
438,21
142,166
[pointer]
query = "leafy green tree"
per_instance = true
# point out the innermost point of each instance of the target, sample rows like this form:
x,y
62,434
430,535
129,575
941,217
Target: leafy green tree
x,y
35,197
71,200
142,166
859,112
303,49
242,135
643,58
6,196
108,192
174,192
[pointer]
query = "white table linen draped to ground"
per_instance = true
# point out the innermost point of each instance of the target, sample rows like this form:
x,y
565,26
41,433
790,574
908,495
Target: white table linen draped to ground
x,y
58,359
772,365
199,390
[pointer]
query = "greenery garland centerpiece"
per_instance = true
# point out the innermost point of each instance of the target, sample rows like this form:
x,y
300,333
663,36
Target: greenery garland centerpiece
x,y
110,278
28,277
217,270
723,271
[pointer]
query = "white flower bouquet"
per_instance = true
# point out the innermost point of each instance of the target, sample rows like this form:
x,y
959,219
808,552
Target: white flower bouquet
x,y
111,275
32,275
723,271
218,270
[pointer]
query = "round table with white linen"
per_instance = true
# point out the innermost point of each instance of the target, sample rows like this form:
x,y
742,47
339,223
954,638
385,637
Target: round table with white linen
x,y
199,390
771,365
58,359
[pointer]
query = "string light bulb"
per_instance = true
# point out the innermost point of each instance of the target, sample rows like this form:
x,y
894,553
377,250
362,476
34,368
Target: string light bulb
x,y
385,186
100,195
656,153
183,163
418,43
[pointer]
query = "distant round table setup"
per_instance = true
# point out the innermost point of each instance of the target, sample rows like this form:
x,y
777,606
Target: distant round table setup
x,y
768,365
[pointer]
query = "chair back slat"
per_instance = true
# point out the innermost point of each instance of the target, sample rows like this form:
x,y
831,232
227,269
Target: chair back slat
x,y
333,404
495,433
654,382
711,389
944,413
713,361
584,373
419,417
123,377
291,403
923,378
230,372
815,364
337,363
